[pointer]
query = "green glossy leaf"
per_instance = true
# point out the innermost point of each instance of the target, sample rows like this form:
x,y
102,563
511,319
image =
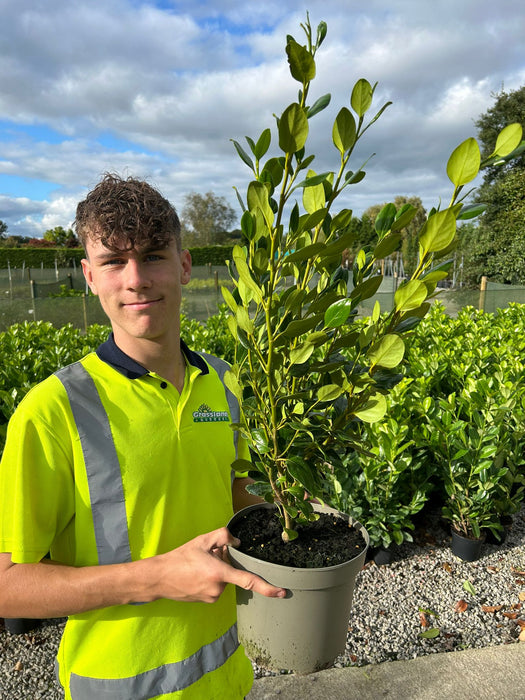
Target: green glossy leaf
x,y
464,163
248,225
321,32
263,144
260,260
301,354
260,489
341,243
367,289
373,410
274,168
233,385
438,232
242,465
404,216
314,198
344,130
469,588
305,253
302,64
260,440
310,221
293,129
244,272
354,178
319,105
385,218
258,199
410,295
232,326
329,392
431,633
229,299
337,314
243,320
508,139
242,153
361,98
301,471
471,211
290,534
341,220
387,352
318,338
387,246
297,328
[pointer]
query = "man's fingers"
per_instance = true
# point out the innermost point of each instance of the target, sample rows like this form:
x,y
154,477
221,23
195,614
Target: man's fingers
x,y
252,582
218,539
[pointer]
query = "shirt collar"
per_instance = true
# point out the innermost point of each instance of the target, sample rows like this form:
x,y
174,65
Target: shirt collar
x,y
110,353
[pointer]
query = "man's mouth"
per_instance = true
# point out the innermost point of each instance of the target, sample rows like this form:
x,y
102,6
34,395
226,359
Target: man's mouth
x,y
141,304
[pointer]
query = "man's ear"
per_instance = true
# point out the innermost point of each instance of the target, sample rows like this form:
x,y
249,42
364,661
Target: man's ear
x,y
185,259
86,269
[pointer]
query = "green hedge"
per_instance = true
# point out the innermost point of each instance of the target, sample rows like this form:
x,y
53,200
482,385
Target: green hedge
x,y
34,257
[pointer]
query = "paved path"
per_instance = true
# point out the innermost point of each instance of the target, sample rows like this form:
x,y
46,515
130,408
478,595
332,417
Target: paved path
x,y
493,673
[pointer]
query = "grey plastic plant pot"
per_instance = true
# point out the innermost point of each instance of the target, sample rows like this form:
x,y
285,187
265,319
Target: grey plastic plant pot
x,y
305,631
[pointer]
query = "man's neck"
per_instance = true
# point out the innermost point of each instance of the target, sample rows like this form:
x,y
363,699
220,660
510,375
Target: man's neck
x,y
165,359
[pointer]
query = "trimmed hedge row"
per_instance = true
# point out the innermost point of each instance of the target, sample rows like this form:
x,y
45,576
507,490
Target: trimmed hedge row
x,y
64,257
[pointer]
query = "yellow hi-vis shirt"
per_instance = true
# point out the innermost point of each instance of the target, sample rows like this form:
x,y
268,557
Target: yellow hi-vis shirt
x,y
167,481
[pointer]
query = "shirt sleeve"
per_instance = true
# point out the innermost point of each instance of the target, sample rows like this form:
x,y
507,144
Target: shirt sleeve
x,y
36,484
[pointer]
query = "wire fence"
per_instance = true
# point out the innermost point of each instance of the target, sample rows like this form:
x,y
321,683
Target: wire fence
x,y
61,296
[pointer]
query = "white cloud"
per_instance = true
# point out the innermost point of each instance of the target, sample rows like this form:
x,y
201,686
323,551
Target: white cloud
x,y
174,82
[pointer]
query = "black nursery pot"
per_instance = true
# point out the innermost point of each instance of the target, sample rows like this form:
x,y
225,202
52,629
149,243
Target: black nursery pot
x,y
20,625
466,548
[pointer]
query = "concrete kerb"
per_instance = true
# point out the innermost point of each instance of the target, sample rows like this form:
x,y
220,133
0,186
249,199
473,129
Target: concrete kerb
x,y
492,673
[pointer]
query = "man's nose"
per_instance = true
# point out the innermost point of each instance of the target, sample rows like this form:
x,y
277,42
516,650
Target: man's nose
x,y
136,275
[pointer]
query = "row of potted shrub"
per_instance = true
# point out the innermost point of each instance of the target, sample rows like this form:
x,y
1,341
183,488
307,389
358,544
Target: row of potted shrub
x,y
454,433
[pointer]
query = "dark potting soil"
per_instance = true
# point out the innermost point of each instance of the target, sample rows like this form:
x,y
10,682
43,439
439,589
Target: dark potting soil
x,y
326,542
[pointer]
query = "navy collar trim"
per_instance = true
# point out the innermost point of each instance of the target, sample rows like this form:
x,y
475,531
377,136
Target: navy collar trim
x,y
110,353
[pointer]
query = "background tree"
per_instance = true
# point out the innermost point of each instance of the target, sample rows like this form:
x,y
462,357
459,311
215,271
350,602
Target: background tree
x,y
508,107
206,219
496,247
39,243
14,241
3,229
59,236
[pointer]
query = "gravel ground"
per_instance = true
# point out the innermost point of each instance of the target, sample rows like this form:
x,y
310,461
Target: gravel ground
x,y
425,587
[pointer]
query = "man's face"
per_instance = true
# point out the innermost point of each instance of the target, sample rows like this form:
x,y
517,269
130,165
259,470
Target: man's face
x,y
140,290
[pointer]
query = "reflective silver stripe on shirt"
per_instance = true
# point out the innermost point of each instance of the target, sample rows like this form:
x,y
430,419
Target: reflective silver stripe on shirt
x,y
169,678
221,367
106,491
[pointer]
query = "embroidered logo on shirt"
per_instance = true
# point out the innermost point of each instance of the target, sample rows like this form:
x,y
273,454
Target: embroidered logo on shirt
x,y
205,415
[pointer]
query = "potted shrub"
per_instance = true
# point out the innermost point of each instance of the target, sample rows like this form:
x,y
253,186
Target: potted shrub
x,y
386,487
293,308
471,437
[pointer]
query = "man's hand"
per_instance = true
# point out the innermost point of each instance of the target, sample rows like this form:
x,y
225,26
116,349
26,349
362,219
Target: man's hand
x,y
199,571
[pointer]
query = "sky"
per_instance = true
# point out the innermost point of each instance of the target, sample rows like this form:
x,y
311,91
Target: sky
x,y
157,90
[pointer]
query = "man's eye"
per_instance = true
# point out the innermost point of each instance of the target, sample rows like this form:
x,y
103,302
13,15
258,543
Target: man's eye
x,y
114,261
152,257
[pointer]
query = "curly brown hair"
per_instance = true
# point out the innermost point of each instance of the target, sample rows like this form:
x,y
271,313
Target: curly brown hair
x,y
127,213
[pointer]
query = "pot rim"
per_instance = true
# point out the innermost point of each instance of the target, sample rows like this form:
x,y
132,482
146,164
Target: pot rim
x,y
239,556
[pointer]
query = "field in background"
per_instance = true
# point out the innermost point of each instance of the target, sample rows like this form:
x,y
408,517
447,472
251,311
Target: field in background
x,y
26,295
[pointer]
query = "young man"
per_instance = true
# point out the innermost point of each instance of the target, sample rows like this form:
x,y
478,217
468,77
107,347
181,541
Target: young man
x,y
118,467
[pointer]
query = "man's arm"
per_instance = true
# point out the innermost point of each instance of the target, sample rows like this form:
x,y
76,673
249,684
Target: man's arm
x,y
196,571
